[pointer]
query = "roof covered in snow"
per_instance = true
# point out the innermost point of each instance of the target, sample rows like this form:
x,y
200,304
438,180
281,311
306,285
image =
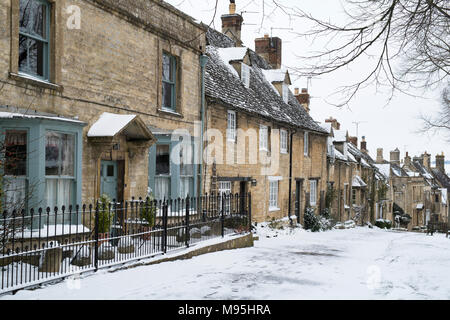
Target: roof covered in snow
x,y
224,86
7,112
111,124
340,135
358,182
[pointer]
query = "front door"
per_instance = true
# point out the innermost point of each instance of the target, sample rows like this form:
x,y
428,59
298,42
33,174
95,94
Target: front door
x,y
108,173
243,195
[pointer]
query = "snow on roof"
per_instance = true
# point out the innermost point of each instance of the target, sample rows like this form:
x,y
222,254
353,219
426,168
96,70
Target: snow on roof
x,y
358,182
385,169
365,164
223,86
110,124
340,135
326,126
339,154
275,75
12,115
396,171
419,206
413,174
351,157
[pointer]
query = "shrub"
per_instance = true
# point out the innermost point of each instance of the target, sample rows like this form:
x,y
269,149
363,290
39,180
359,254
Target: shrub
x,y
311,220
105,215
148,210
383,224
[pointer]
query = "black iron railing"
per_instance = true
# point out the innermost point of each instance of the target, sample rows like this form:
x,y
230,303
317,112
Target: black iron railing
x,y
45,245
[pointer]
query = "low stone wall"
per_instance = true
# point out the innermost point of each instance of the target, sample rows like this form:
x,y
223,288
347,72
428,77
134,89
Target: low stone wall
x,y
244,241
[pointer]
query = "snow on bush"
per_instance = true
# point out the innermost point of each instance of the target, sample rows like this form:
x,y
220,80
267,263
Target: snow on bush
x,y
317,223
383,224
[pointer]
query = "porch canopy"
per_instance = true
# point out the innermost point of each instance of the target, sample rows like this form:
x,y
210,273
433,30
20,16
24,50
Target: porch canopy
x,y
131,126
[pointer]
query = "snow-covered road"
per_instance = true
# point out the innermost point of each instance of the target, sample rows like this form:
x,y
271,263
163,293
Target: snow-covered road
x,y
358,263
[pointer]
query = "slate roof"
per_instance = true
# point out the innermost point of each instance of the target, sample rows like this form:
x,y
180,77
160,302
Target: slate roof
x,y
425,173
224,87
443,178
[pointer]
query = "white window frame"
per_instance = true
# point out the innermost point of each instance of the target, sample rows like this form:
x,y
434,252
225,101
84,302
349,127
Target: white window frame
x,y
231,125
225,188
313,192
283,141
245,75
285,93
263,137
306,143
273,195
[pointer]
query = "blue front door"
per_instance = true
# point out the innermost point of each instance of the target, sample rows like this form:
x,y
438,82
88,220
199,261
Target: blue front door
x,y
109,179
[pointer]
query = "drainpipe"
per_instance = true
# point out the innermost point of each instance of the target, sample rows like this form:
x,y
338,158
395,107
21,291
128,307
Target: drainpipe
x,y
203,62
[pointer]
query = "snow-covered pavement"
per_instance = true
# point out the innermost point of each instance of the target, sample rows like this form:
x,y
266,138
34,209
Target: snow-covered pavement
x,y
358,263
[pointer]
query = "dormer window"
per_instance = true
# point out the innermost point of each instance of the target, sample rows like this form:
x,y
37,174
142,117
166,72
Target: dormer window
x,y
285,93
245,75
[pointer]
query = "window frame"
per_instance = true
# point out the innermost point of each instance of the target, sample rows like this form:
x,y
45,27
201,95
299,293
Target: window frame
x,y
313,195
173,83
245,75
227,190
285,141
306,144
263,137
46,70
231,131
59,178
273,196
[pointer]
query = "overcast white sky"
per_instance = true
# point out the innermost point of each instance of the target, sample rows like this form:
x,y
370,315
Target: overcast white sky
x,y
385,126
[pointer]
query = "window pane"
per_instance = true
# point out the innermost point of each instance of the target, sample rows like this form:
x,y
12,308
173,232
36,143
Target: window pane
x,y
52,149
167,72
58,193
68,155
162,159
15,191
36,57
23,54
162,187
168,90
33,17
16,153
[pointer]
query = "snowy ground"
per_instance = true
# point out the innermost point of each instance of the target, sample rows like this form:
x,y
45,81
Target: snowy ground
x,y
358,263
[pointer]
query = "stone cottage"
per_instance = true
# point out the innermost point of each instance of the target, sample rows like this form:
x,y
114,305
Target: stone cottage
x,y
269,144
90,92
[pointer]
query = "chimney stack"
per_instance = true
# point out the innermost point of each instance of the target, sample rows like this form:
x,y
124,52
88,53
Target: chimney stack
x,y
354,140
407,161
395,157
270,48
440,162
364,145
427,160
380,155
232,24
334,123
303,98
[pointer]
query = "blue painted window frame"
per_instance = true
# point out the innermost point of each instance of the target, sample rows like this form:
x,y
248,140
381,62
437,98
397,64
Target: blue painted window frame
x,y
37,127
175,170
45,41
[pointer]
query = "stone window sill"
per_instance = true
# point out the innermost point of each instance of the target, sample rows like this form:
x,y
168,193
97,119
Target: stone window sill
x,y
272,209
170,112
35,81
